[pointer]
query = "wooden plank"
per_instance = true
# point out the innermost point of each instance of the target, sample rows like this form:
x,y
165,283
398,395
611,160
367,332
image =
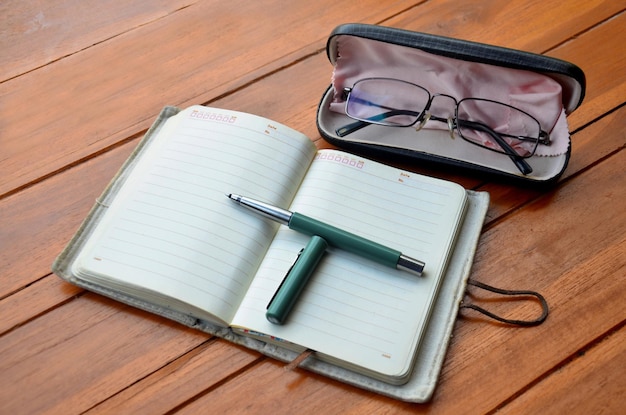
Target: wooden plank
x,y
34,300
37,33
180,381
488,362
606,81
580,280
39,221
294,110
531,25
599,140
603,80
270,389
63,119
38,357
85,351
103,71
55,221
187,57
594,383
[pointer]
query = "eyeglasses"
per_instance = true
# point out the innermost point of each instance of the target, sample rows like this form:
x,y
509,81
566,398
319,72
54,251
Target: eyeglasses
x,y
489,124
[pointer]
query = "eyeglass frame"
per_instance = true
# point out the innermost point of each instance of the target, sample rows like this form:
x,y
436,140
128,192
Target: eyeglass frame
x,y
453,123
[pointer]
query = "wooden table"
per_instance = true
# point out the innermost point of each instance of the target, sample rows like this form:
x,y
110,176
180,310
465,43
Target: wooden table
x,y
80,82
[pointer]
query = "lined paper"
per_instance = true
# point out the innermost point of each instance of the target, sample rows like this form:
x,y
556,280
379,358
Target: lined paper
x,y
171,237
354,309
171,231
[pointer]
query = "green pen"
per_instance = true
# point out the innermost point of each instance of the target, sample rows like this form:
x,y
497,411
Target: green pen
x,y
296,278
335,237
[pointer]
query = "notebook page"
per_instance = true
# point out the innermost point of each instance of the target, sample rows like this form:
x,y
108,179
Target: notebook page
x,y
172,234
353,309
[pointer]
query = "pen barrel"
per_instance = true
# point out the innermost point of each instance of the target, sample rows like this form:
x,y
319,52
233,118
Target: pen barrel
x,y
294,282
344,240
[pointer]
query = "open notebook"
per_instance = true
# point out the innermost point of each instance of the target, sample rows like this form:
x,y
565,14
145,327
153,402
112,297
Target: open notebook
x,y
165,237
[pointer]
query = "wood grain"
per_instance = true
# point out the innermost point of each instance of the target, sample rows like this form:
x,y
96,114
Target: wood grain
x,y
110,346
40,32
192,374
79,87
176,60
534,25
34,233
606,82
597,374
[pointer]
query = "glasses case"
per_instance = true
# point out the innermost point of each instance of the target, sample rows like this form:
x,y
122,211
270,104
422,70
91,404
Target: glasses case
x,y
451,70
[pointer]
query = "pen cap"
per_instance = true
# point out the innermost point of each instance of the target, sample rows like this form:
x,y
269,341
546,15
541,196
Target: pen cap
x,y
298,275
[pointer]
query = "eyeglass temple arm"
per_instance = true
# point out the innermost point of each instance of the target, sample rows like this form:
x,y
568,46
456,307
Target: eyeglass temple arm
x,y
519,161
357,125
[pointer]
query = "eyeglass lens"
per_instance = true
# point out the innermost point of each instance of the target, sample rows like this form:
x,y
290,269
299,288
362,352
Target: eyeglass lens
x,y
399,103
387,102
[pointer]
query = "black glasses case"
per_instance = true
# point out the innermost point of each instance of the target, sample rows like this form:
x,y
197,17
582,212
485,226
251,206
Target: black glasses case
x,y
377,47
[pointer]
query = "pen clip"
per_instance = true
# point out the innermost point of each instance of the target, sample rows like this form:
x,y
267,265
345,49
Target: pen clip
x,y
284,279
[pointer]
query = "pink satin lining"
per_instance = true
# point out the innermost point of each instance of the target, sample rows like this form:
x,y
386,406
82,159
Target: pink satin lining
x,y
537,94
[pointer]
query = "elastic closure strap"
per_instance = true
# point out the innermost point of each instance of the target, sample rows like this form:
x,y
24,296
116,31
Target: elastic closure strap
x,y
520,293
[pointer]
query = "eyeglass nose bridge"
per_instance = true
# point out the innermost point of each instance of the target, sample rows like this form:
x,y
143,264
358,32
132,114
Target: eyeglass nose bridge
x,y
428,115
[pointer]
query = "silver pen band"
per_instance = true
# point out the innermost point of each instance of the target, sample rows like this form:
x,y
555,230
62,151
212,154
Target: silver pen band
x,y
411,265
